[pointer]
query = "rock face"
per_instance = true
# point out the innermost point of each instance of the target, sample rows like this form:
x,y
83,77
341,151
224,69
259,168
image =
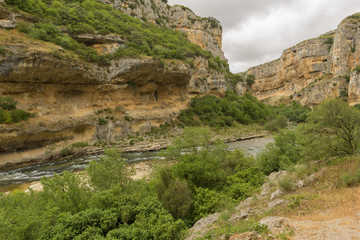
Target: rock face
x,y
205,32
314,70
74,101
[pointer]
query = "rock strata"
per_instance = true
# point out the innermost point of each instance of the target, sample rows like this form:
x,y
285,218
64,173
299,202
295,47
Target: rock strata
x,y
315,69
205,32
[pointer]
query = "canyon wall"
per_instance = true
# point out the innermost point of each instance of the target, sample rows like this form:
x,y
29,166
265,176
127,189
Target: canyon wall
x,y
205,32
315,69
75,101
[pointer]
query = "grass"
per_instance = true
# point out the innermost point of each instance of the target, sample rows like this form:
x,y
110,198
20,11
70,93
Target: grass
x,y
286,184
324,199
15,38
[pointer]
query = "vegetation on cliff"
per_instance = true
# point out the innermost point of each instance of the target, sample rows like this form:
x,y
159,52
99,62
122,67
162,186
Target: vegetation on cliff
x,y
246,109
9,113
62,20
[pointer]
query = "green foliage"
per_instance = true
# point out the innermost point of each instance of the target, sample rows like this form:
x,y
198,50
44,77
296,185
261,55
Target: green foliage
x,y
208,202
294,112
89,223
357,69
259,228
212,172
174,194
22,216
3,50
215,112
235,79
79,145
70,208
7,103
351,178
285,152
333,129
108,171
102,121
9,113
67,192
244,183
286,184
65,151
92,16
250,80
277,123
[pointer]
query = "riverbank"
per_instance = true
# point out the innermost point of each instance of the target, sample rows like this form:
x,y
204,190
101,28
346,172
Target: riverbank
x,y
227,135
142,163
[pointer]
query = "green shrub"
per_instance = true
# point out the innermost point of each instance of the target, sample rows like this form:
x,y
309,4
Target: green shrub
x,y
19,115
23,27
108,171
208,201
250,80
91,16
351,179
65,151
286,184
333,129
294,112
284,153
9,113
79,145
357,69
276,124
216,112
7,103
102,121
3,50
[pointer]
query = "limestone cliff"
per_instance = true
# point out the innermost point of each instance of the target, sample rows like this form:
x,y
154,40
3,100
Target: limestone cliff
x,y
205,32
77,101
315,69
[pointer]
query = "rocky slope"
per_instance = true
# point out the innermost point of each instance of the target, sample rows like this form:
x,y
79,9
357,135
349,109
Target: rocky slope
x,y
315,69
76,101
205,32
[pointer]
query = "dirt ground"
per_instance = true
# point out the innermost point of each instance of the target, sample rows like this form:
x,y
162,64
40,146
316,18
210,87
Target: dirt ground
x,y
337,217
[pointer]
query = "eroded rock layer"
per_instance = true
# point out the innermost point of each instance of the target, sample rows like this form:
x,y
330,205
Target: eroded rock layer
x,y
205,32
314,70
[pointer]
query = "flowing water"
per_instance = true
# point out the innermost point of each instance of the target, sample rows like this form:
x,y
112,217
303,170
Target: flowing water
x,y
17,178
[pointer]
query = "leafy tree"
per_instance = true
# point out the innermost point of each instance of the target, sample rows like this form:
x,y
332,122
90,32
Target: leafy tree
x,y
285,152
250,80
67,191
209,201
244,183
333,128
109,170
177,198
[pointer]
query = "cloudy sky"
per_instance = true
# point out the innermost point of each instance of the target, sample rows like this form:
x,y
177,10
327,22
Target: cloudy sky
x,y
257,31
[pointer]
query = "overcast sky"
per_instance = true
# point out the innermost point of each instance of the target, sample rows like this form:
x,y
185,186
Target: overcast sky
x,y
257,31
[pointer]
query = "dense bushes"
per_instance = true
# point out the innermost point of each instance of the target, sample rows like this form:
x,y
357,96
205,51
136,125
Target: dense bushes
x,y
284,153
333,128
294,112
211,173
74,207
91,16
9,113
216,112
220,112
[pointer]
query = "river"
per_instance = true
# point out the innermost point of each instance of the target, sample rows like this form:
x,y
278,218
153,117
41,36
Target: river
x,y
17,178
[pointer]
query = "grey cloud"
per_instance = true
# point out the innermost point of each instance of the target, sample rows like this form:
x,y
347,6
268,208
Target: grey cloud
x,y
279,24
231,12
